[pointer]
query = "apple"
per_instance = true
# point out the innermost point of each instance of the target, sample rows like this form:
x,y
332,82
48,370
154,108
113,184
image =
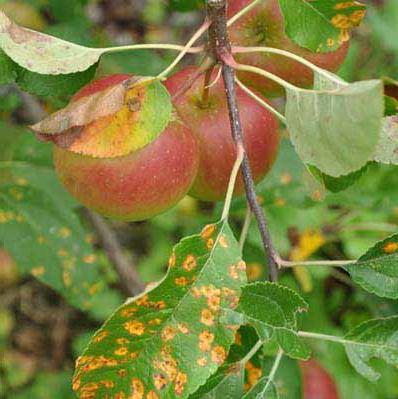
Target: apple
x,y
317,383
210,123
264,26
139,185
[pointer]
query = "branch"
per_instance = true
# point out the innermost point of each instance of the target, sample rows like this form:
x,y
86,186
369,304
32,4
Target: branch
x,y
220,48
127,273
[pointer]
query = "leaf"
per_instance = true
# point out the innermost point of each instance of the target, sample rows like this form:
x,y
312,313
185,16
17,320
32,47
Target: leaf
x,y
377,270
321,25
168,341
113,122
376,338
8,73
264,389
227,383
336,130
337,184
387,150
272,309
43,53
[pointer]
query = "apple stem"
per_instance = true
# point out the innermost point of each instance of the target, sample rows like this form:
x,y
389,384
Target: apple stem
x,y
220,49
206,87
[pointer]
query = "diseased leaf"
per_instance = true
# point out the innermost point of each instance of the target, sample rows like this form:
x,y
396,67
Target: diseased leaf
x,y
111,123
336,128
264,389
377,270
46,239
272,309
167,342
387,150
321,25
43,53
376,338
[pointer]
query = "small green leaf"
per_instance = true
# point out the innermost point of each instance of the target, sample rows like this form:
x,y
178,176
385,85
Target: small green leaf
x,y
337,184
272,310
170,340
321,25
43,53
376,338
8,72
264,389
227,383
377,270
387,150
336,128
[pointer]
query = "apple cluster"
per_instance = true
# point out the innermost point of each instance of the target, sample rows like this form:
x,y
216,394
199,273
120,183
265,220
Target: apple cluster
x,y
195,153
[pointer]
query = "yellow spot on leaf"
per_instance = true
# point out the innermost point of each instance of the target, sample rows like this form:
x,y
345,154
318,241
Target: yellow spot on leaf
x,y
168,333
172,260
183,328
180,383
218,355
202,362
253,374
100,336
122,373
128,312
89,259
286,178
206,339
67,278
223,241
122,341
207,317
38,271
122,351
21,181
210,244
391,248
160,381
134,327
182,281
138,389
152,395
16,194
208,231
64,232
189,263
41,239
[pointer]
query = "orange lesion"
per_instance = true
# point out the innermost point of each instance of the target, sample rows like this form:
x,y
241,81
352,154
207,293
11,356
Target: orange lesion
x,y
218,355
168,333
128,312
181,281
134,327
138,389
207,317
100,336
391,247
206,339
189,263
180,382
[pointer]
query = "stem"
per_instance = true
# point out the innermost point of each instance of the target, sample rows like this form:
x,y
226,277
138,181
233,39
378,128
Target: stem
x,y
293,56
154,46
206,87
232,181
274,369
128,275
185,49
245,229
332,263
220,48
261,101
242,12
252,352
268,75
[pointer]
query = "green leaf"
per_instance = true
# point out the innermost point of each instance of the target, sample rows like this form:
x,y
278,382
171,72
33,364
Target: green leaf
x,y
390,105
377,270
227,383
8,72
272,309
170,340
43,53
387,150
376,338
186,5
321,25
264,389
337,184
336,128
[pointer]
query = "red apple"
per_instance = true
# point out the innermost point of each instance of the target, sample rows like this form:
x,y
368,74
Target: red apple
x,y
264,26
317,383
210,122
137,186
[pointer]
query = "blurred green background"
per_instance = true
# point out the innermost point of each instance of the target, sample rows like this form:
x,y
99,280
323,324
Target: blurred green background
x,y
41,334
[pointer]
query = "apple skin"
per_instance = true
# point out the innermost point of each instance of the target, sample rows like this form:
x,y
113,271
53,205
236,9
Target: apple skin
x,y
317,383
267,17
212,127
138,186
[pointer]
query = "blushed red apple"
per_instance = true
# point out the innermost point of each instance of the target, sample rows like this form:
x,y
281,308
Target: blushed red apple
x,y
263,26
139,185
210,123
317,383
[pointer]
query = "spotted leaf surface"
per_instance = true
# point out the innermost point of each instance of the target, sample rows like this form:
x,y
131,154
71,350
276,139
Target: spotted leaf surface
x,y
376,338
336,127
387,150
46,239
321,25
167,342
44,54
264,389
377,270
113,122
272,310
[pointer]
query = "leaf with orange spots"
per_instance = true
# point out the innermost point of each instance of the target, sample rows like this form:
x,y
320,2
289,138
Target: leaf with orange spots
x,y
272,309
113,122
321,25
377,270
171,339
39,227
